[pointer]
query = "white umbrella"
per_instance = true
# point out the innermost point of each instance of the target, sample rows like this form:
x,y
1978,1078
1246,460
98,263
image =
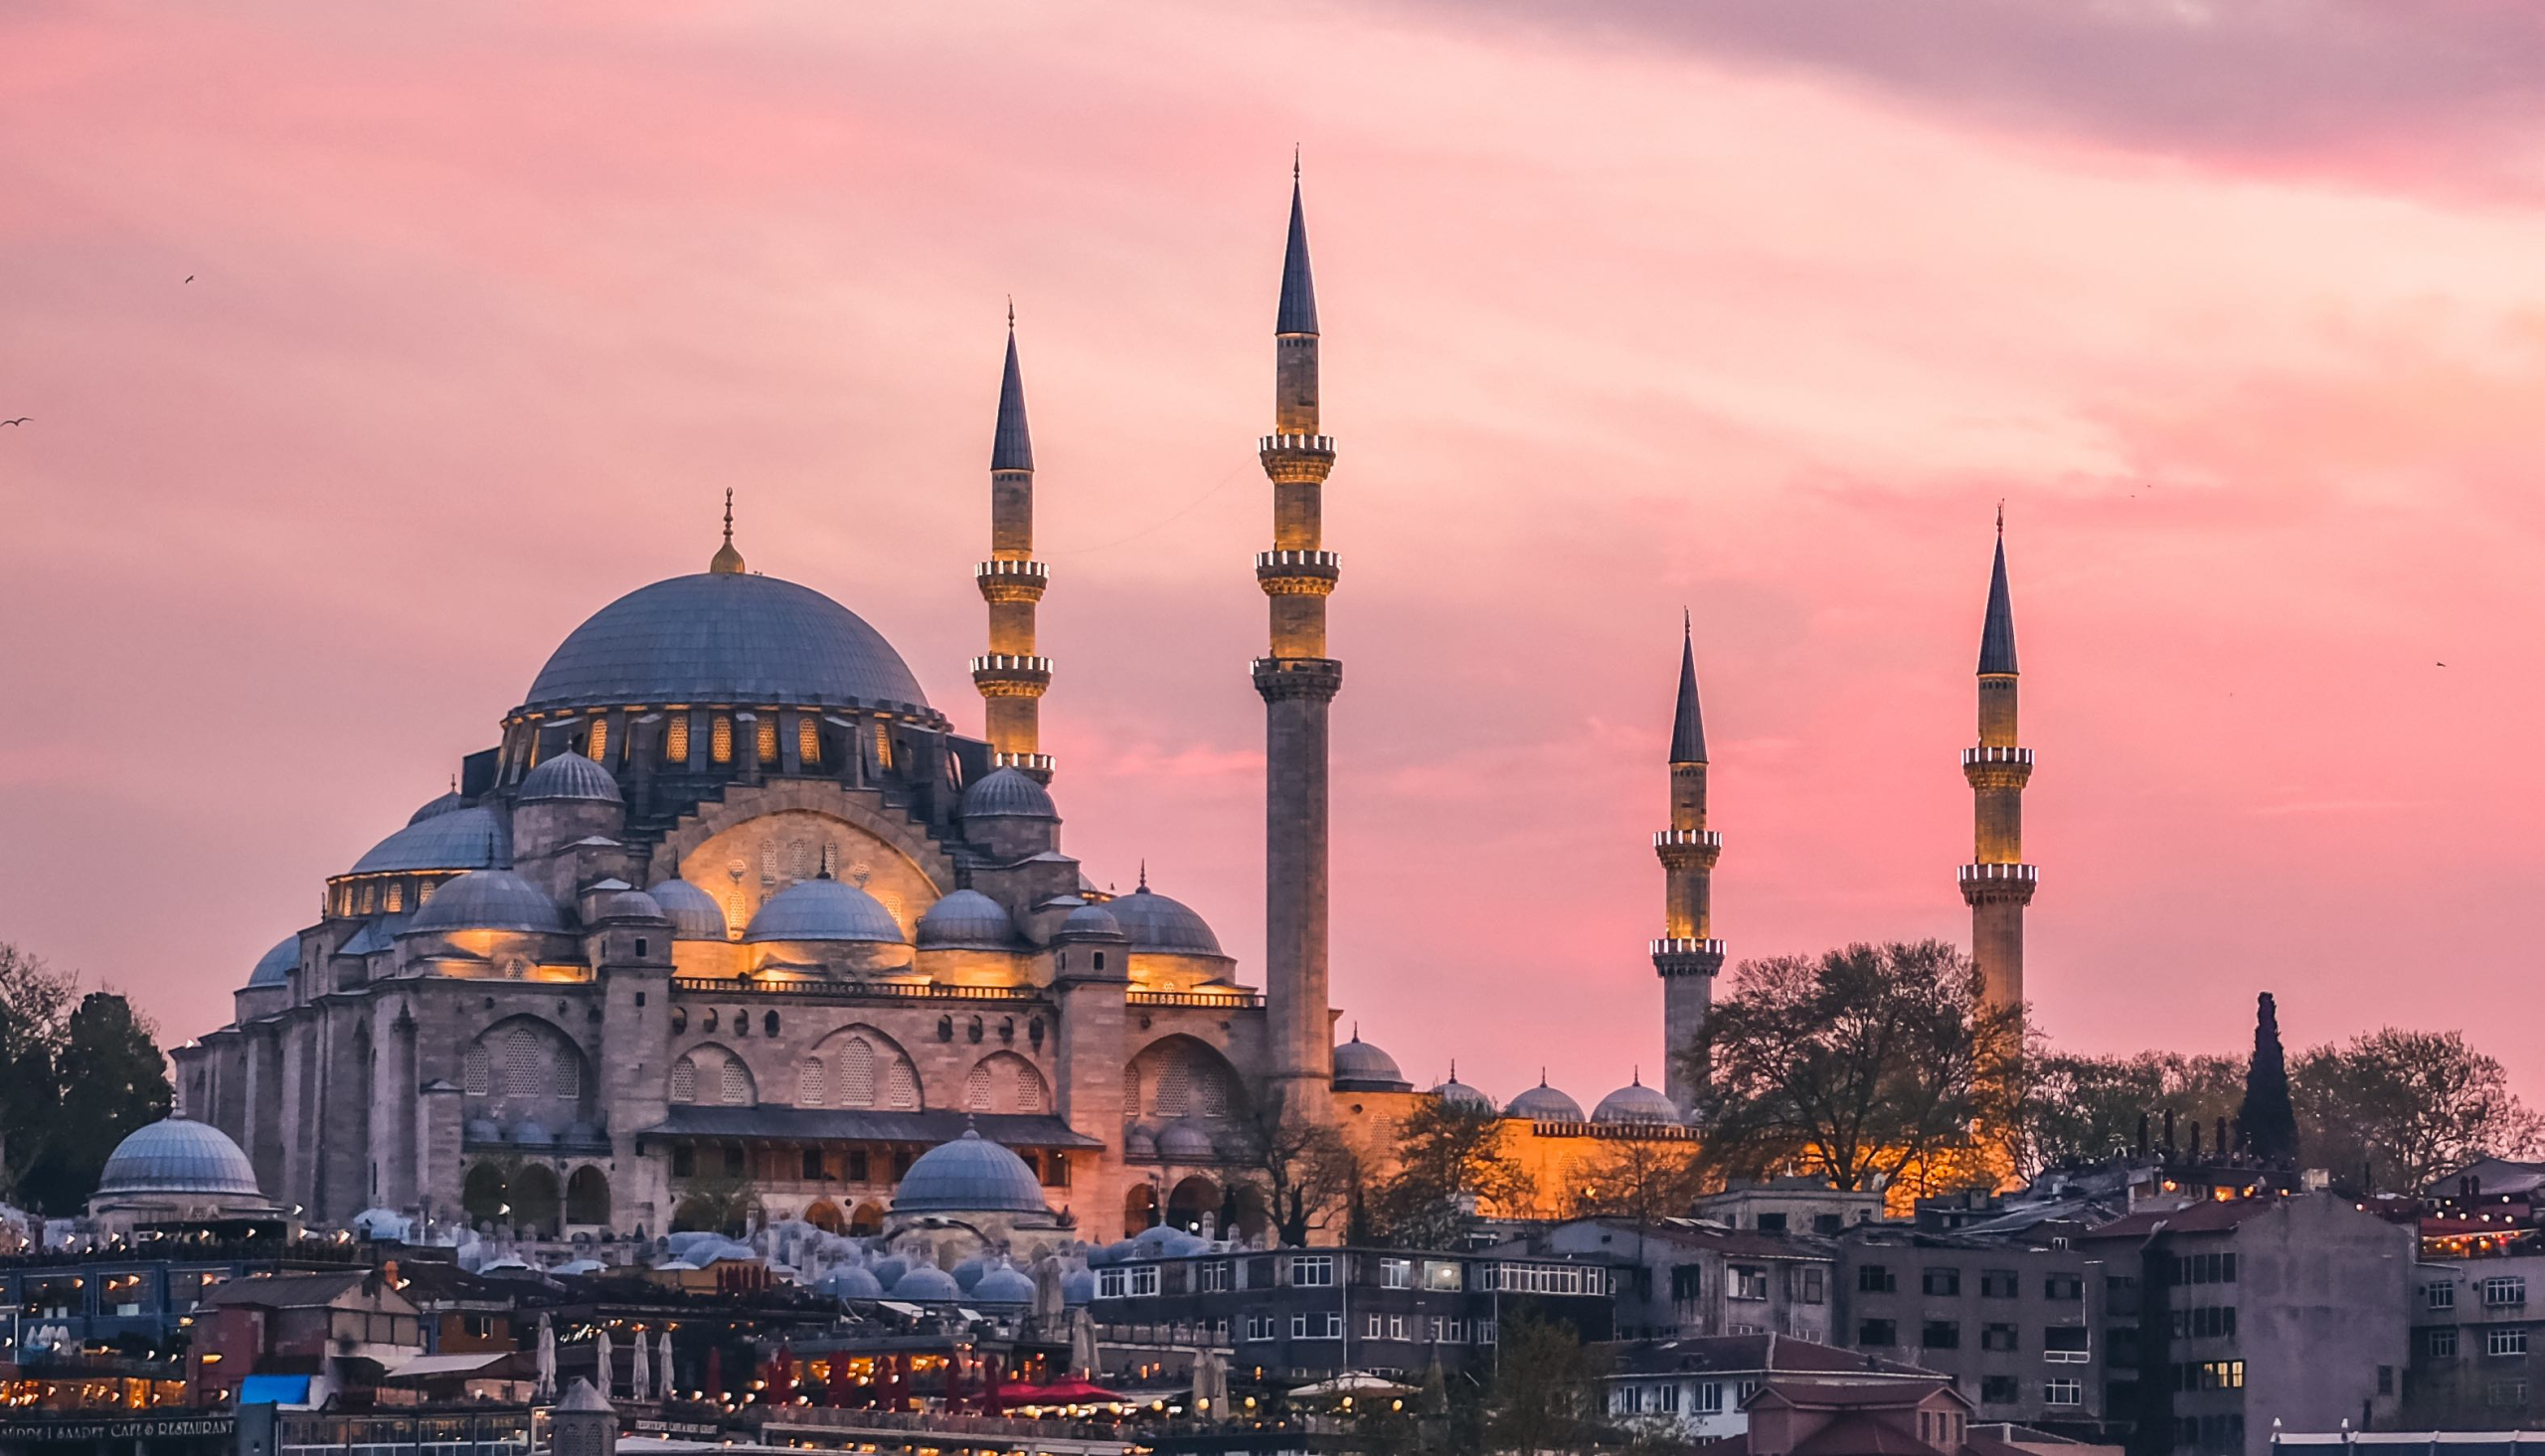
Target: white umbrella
x,y
664,1364
602,1373
546,1386
640,1375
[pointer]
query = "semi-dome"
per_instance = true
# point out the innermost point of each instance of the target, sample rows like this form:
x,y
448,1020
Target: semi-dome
x,y
275,966
178,1156
1360,1067
1007,793
926,1284
441,804
490,899
967,920
971,1175
694,914
1162,925
1003,1285
1543,1103
629,905
1459,1093
569,776
1186,1141
470,837
1091,922
1635,1102
726,637
534,1134
823,910
1139,1142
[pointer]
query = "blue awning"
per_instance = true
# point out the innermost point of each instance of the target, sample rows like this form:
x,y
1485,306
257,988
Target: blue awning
x,y
274,1390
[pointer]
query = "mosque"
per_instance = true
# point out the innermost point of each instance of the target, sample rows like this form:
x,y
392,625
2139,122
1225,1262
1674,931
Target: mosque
x,y
731,911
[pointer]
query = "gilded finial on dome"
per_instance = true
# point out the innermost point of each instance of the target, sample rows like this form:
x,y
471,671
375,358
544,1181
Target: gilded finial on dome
x,y
727,562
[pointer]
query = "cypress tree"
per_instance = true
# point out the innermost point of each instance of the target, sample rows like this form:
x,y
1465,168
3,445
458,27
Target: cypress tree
x,y
2268,1117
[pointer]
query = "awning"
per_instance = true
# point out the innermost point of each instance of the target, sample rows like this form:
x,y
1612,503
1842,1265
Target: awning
x,y
448,1365
274,1390
825,1124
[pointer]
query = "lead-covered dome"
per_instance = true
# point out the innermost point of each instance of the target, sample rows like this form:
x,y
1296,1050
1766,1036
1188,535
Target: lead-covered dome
x,y
1008,793
178,1156
1162,925
967,920
275,966
694,914
823,910
1635,1102
1360,1067
443,804
725,637
470,837
490,899
569,776
1458,1094
971,1175
1543,1103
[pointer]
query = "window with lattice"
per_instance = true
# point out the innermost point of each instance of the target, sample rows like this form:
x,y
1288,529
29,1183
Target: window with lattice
x,y
830,859
883,743
525,1070
735,918
1174,1088
766,740
477,1071
799,859
808,740
857,1074
600,742
1131,1088
977,1090
397,896
676,740
720,739
569,1073
892,905
901,1087
684,1081
1029,1089
810,1087
1209,1090
738,1084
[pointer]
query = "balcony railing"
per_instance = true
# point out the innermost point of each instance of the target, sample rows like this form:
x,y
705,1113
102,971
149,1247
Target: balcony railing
x,y
1973,874
1973,756
851,990
1234,1000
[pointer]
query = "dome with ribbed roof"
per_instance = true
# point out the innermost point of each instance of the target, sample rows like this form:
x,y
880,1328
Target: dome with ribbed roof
x,y
1186,1141
443,804
569,776
275,966
1360,1067
823,910
1461,1094
1635,1102
1090,923
1543,1103
178,1156
629,905
926,1284
1161,924
1008,793
694,914
971,1175
850,1282
726,637
967,920
1003,1285
470,837
490,899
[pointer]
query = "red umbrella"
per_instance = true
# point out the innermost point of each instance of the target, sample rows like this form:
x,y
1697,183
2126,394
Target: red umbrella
x,y
992,1401
1072,1391
781,1377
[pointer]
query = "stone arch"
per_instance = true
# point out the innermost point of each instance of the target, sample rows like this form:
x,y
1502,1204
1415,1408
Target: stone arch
x,y
711,1075
587,1195
481,1194
759,825
1194,1204
1006,1082
532,1191
826,1217
1139,1209
1180,1076
525,1058
867,1220
860,1066
1246,1211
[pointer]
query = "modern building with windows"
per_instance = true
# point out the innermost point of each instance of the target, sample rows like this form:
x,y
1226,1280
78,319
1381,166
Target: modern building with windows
x,y
2479,1329
2011,1319
1699,1388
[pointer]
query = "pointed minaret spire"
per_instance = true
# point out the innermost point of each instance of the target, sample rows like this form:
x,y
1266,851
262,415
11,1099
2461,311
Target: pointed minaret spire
x,y
1011,676
1688,723
727,562
1997,883
1997,629
1687,956
1299,289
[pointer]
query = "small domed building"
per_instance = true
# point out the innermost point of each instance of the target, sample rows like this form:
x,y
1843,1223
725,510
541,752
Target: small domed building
x,y
177,1171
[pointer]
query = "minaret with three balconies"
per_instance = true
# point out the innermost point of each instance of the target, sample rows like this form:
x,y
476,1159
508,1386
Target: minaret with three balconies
x,y
1688,955
1997,883
1011,678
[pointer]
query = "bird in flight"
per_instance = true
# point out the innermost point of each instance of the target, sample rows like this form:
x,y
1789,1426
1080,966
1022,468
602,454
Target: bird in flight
x,y
21,419
190,277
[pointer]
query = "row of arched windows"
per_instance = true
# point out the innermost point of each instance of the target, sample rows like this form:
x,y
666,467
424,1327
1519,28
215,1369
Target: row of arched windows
x,y
596,739
395,895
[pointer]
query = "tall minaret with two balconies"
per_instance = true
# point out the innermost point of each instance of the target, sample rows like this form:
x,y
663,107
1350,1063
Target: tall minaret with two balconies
x,y
1688,955
1997,883
1297,680
1011,678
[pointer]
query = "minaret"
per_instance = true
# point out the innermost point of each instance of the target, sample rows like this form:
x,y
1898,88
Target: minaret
x,y
1297,680
1997,883
1011,678
1687,956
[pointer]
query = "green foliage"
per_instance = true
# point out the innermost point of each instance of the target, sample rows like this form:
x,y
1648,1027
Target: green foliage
x,y
2268,1120
1451,1161
1856,1066
1546,1390
2402,1108
2083,1109
74,1081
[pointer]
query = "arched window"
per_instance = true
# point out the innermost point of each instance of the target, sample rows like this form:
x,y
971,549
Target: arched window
x,y
857,1074
883,743
720,739
588,1197
769,862
769,1023
684,1081
808,740
765,740
1174,1088
424,891
598,746
892,905
901,1087
738,1084
569,1073
526,1073
735,920
1029,1091
676,740
1131,1088
477,1071
830,859
811,1085
976,1089
397,896
680,1018
799,859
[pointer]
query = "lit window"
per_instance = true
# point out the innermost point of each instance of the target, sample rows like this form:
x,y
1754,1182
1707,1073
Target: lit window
x,y
883,743
720,743
599,742
397,897
766,740
808,740
424,891
857,1074
368,888
676,740
735,918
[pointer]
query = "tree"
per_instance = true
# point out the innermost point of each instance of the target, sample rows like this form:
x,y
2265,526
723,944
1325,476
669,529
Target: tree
x,y
1545,1389
2268,1118
1451,1161
112,1080
1641,1179
1858,1066
2083,1109
1309,1170
32,1000
2407,1107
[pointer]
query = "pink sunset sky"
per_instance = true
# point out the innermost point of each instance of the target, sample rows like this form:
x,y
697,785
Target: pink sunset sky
x,y
1755,309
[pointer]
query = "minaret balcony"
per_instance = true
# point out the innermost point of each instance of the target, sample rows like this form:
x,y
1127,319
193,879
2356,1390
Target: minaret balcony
x,y
1705,837
1297,459
1679,956
1298,444
1006,582
1998,884
1687,848
1996,768
1973,758
1001,676
1038,763
1297,573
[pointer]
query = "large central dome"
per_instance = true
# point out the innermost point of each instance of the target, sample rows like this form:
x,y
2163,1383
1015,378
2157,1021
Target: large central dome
x,y
726,637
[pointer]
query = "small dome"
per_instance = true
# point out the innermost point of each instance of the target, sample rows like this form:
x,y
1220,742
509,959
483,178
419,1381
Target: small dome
x,y
569,776
694,914
1459,1093
1185,1141
851,1282
1007,793
629,905
967,920
178,1156
1635,1102
534,1135
1543,1103
889,1272
1162,925
823,910
971,1175
1139,1142
275,966
1003,1285
1078,1286
490,899
482,1130
474,837
1166,1241
443,805
1362,1066
969,1273
1091,922
928,1284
